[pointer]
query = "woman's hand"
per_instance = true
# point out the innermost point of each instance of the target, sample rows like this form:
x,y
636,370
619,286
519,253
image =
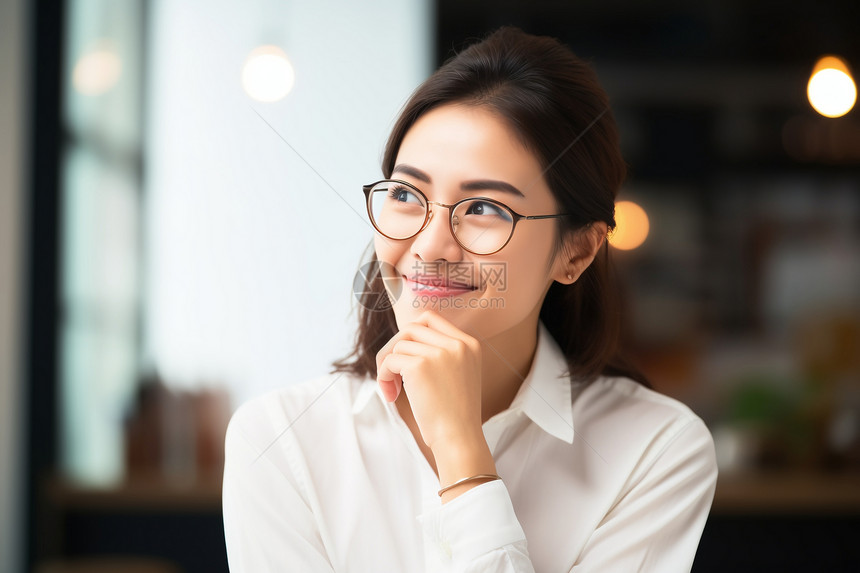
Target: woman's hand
x,y
442,368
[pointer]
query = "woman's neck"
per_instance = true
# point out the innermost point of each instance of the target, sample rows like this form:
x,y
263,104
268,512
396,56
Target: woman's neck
x,y
507,359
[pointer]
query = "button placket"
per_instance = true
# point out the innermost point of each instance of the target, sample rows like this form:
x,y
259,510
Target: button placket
x,y
428,476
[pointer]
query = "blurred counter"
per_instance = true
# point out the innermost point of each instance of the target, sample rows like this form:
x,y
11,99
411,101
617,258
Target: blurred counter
x,y
795,492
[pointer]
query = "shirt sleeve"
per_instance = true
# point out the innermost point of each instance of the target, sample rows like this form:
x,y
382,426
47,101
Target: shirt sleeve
x,y
654,526
657,523
478,532
268,526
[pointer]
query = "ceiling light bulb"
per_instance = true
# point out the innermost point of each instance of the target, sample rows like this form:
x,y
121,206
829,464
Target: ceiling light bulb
x,y
268,75
831,89
96,71
631,228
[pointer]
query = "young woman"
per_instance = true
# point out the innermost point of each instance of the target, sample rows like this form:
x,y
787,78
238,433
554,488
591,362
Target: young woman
x,y
485,420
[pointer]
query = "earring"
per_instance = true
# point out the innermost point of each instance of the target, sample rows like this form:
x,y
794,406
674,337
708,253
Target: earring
x,y
569,277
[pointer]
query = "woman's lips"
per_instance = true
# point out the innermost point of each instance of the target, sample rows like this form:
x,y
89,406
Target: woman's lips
x,y
438,291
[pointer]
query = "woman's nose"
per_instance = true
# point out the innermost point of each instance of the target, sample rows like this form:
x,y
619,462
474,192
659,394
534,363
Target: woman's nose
x,y
435,241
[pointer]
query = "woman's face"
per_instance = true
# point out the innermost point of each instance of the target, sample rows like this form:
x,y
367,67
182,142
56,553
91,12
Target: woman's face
x,y
447,150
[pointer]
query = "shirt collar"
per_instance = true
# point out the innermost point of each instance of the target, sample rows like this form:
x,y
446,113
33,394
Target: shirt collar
x,y
544,396
366,389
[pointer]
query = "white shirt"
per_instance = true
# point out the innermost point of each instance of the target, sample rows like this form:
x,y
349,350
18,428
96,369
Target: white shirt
x,y
326,476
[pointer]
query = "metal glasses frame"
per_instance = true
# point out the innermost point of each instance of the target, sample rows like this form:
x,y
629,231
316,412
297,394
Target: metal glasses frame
x,y
515,217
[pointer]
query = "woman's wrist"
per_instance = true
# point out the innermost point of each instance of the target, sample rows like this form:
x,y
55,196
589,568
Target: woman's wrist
x,y
461,458
460,487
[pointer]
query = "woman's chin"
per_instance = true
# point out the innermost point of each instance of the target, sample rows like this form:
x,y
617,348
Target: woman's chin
x,y
409,310
472,321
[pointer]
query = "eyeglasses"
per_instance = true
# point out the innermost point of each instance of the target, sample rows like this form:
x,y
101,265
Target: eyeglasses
x,y
482,226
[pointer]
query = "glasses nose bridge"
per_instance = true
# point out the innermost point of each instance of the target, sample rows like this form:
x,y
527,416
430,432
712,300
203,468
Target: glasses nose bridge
x,y
430,212
450,221
437,203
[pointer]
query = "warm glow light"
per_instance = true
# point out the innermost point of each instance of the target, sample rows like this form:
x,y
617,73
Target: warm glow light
x,y
631,228
831,89
268,75
97,71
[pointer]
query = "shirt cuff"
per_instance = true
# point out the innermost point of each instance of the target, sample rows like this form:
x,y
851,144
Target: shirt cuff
x,y
473,524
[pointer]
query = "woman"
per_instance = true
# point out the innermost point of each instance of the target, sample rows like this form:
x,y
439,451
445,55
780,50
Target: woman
x,y
485,420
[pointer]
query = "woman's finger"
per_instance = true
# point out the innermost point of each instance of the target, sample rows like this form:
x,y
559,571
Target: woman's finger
x,y
426,334
412,348
435,321
416,332
386,350
388,375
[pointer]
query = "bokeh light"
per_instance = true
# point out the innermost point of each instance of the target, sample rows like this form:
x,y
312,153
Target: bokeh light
x,y
96,71
268,75
631,226
831,89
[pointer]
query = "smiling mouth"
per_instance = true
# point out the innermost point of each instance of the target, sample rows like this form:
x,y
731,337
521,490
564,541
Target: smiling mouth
x,y
438,286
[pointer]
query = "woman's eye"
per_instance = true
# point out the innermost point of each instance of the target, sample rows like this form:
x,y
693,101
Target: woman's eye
x,y
403,195
485,208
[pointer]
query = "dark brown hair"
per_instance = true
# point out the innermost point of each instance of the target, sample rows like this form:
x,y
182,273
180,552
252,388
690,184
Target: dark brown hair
x,y
552,101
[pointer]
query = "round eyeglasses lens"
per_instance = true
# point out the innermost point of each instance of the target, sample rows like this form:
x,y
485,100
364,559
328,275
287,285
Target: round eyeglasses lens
x,y
481,226
397,210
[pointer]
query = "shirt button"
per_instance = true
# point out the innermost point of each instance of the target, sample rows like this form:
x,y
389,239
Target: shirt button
x,y
446,547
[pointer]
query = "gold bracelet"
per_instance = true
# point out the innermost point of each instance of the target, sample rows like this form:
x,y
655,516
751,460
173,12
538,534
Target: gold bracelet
x,y
464,480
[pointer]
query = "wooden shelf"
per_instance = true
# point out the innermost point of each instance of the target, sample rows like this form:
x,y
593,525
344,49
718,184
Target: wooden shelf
x,y
155,493
788,492
745,493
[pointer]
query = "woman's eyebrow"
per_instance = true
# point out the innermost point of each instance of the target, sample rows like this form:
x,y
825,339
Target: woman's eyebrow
x,y
476,185
412,171
490,185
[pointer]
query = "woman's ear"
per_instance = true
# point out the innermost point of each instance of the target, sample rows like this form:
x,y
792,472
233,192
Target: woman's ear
x,y
579,250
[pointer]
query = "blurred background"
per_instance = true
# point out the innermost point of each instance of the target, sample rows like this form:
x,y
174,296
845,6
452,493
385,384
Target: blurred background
x,y
181,220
